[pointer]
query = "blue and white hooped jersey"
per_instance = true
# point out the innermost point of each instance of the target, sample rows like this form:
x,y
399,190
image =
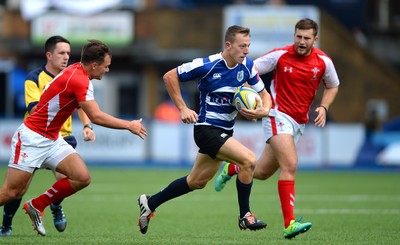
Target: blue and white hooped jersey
x,y
217,85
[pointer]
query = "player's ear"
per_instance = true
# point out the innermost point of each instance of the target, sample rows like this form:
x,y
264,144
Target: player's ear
x,y
93,65
227,44
315,39
48,54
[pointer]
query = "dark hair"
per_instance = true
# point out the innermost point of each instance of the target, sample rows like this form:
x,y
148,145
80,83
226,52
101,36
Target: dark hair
x,y
233,30
94,51
51,43
306,24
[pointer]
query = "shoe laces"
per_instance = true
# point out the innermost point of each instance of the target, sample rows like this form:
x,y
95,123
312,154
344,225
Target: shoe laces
x,y
299,219
251,219
295,223
58,213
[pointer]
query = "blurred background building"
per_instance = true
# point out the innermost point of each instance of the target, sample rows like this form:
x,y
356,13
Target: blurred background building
x,y
149,37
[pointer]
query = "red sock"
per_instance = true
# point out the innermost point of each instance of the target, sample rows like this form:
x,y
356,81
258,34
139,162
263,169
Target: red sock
x,y
233,169
61,189
286,194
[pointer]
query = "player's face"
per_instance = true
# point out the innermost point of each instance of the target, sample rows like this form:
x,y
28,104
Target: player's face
x,y
99,69
59,58
303,41
239,49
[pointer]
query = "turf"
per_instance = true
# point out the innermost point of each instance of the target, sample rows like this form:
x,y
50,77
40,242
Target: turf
x,y
344,207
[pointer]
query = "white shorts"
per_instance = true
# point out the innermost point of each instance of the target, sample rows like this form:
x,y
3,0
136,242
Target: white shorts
x,y
31,150
281,123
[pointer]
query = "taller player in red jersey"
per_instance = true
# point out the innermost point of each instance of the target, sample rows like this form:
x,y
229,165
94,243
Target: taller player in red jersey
x,y
37,143
298,70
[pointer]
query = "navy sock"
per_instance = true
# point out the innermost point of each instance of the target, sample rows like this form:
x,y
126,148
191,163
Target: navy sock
x,y
176,188
9,211
243,191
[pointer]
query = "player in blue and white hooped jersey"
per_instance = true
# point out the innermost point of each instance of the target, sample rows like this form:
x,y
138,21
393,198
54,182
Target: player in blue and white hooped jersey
x,y
218,76
217,84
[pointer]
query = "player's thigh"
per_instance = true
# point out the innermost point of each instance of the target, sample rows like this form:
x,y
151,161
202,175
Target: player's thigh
x,y
284,149
73,167
267,164
16,182
233,151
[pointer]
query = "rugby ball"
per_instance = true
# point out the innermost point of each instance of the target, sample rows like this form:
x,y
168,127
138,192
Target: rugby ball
x,y
245,97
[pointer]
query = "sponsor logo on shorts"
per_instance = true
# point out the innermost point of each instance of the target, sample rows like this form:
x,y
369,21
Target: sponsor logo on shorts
x,y
24,156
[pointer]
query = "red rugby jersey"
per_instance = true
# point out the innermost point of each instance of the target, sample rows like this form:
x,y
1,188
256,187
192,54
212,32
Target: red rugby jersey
x,y
296,79
59,101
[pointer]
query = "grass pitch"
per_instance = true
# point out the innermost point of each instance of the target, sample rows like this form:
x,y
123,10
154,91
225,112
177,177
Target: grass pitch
x,y
344,207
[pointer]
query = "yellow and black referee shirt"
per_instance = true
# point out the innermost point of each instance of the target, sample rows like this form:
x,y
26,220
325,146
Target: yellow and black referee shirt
x,y
35,83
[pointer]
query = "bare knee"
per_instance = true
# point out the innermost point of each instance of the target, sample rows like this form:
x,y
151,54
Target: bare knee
x,y
249,163
80,182
265,169
197,184
288,171
263,174
85,181
291,166
7,195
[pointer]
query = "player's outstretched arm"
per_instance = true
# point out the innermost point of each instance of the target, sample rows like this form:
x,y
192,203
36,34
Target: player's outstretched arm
x,y
101,118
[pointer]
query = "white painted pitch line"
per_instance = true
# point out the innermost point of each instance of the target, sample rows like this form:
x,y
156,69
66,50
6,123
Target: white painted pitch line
x,y
349,211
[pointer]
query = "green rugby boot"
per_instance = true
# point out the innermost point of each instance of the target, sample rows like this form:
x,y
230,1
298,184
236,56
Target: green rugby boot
x,y
222,178
295,228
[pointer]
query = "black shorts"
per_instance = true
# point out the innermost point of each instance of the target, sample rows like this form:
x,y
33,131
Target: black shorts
x,y
210,139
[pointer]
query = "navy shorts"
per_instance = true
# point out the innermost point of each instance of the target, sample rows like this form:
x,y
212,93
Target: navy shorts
x,y
71,140
210,139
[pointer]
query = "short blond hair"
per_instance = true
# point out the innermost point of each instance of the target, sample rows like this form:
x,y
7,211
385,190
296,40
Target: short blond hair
x,y
231,32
